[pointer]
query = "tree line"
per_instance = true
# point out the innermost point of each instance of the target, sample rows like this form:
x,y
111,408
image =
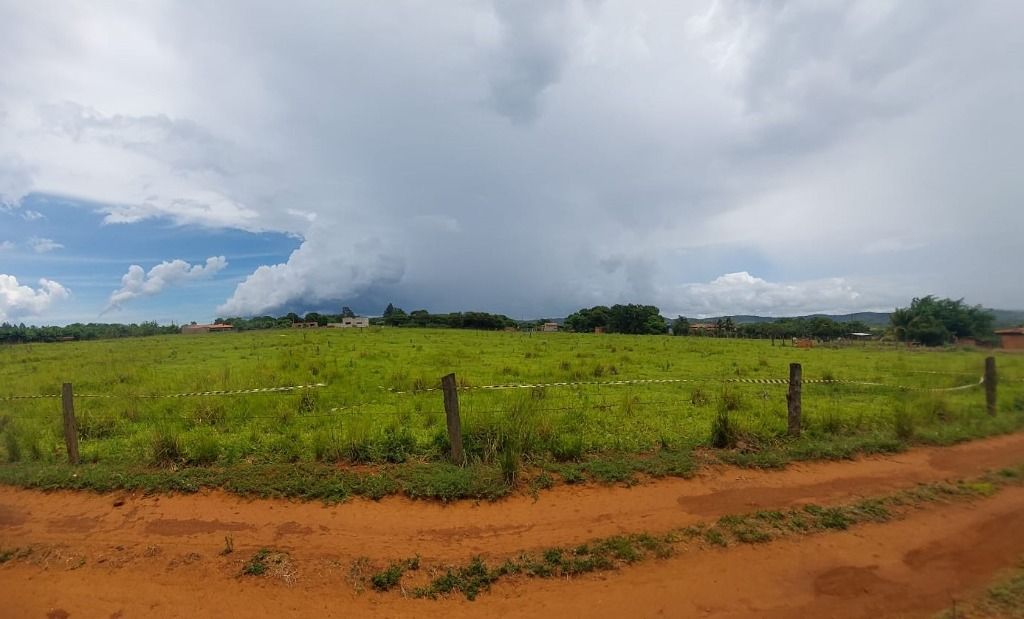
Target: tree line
x,y
392,317
21,334
928,320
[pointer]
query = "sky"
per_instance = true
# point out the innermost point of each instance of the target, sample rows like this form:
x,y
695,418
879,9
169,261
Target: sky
x,y
178,161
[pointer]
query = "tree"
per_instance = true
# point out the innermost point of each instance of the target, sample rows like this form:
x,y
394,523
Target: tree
x,y
636,319
346,312
586,320
934,322
394,316
680,326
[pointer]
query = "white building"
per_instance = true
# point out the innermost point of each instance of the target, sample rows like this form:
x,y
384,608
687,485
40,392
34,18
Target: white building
x,y
360,322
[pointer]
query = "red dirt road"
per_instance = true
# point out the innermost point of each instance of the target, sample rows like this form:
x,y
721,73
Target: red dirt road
x,y
158,556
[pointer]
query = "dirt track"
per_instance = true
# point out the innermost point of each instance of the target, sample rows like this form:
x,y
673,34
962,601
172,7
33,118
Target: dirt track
x,y
158,556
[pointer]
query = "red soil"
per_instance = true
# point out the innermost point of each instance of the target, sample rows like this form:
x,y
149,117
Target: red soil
x,y
158,555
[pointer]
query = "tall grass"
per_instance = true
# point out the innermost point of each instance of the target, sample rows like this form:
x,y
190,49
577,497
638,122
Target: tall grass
x,y
360,417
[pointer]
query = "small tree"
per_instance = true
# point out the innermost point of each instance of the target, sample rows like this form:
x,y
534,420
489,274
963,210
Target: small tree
x,y
680,326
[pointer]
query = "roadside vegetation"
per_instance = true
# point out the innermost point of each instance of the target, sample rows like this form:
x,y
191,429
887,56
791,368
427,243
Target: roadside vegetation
x,y
478,574
378,426
1004,599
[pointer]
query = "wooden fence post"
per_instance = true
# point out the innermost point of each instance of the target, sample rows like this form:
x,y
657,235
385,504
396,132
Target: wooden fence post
x,y
991,381
793,398
451,411
70,425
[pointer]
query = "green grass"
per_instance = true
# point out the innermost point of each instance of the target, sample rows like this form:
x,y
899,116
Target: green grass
x,y
607,433
257,565
1002,600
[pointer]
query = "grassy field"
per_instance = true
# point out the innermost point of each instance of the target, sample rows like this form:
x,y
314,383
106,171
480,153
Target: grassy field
x,y
376,411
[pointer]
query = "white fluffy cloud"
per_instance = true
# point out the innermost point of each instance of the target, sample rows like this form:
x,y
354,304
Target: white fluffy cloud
x,y
17,301
321,271
742,293
138,283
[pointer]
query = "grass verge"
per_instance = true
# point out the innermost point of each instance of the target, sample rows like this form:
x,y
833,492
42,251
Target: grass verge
x,y
477,575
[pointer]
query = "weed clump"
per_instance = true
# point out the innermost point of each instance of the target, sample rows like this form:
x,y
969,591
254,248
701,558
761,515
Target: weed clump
x,y
723,432
903,422
387,579
257,565
12,446
166,447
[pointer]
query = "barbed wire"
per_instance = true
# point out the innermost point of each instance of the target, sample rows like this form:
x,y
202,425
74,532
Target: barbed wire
x,y
223,392
652,381
512,386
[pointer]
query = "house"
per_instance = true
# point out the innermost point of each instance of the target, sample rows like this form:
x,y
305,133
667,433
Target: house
x,y
350,322
194,329
598,330
549,327
305,325
1011,339
703,328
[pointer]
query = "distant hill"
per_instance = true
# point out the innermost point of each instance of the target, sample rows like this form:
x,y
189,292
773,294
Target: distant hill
x,y
1008,318
1004,318
872,319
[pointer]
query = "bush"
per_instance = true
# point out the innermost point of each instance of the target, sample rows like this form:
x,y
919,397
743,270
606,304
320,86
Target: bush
x,y
723,433
396,445
166,447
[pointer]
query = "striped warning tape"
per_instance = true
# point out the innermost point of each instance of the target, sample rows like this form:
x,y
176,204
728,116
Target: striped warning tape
x,y
28,397
177,395
651,381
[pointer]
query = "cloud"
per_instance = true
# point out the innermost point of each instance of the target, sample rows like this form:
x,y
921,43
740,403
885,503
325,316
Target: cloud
x,y
30,215
6,245
138,283
742,293
43,245
529,56
17,301
533,157
321,271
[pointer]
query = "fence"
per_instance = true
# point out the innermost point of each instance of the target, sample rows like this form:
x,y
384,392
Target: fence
x,y
450,398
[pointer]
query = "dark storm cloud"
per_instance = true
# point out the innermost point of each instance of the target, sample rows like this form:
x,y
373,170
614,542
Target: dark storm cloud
x,y
533,157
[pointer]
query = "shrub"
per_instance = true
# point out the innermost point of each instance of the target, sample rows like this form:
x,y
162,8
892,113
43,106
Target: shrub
x,y
166,447
508,461
723,433
396,445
